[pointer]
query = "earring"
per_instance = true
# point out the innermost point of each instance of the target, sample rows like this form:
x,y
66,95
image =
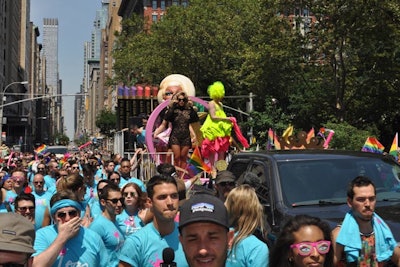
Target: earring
x,y
291,259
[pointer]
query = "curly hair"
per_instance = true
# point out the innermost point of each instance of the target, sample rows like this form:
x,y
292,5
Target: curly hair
x,y
279,256
216,90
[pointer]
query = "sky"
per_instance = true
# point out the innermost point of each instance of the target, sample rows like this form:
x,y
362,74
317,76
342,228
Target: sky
x,y
75,24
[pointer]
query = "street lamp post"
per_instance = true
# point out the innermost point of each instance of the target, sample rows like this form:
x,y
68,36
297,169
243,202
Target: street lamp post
x,y
2,95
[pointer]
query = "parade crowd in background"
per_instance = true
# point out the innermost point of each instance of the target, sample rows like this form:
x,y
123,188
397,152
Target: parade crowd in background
x,y
87,208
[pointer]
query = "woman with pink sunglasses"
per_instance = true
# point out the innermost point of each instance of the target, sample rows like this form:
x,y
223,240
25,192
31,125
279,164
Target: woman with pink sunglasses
x,y
304,241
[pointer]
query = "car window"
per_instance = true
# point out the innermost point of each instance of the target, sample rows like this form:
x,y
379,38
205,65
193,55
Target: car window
x,y
57,150
315,180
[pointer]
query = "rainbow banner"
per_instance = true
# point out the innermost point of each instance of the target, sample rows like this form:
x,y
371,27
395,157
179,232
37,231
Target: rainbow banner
x,y
41,150
373,145
196,163
270,142
393,148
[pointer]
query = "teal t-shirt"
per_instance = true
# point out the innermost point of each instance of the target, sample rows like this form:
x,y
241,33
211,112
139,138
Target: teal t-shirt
x,y
85,249
249,252
111,235
144,248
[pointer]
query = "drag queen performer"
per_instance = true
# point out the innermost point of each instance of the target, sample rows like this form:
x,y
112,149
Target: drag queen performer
x,y
181,115
217,127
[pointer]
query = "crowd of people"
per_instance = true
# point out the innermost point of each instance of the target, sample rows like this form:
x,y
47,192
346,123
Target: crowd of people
x,y
90,212
88,209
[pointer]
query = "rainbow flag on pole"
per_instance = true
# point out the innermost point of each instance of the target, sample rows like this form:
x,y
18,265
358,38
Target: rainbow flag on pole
x,y
270,143
393,148
41,150
373,145
196,163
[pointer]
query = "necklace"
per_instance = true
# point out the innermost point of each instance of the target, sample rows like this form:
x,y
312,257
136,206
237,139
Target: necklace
x,y
367,234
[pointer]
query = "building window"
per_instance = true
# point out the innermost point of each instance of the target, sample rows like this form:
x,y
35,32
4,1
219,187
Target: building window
x,y
154,5
184,3
154,18
162,4
175,2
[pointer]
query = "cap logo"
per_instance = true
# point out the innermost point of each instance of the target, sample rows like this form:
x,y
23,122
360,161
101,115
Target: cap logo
x,y
8,232
202,206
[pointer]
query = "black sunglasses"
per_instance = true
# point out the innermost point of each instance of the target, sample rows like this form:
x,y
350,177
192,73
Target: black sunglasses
x,y
24,209
63,214
115,200
127,194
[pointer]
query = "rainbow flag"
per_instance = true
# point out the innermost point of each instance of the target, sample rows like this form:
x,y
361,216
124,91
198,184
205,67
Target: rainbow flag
x,y
310,135
393,148
196,163
270,142
372,145
41,150
276,143
64,159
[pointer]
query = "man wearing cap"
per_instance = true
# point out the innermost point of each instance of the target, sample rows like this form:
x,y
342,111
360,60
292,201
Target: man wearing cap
x,y
67,243
16,240
224,183
204,231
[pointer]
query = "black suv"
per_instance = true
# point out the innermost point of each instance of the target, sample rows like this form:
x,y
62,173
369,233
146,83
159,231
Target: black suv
x,y
314,182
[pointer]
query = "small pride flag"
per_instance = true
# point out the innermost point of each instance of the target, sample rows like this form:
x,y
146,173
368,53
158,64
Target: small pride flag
x,y
373,145
196,162
270,143
393,148
41,149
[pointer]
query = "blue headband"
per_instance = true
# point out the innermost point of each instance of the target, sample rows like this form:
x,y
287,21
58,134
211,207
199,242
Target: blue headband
x,y
63,203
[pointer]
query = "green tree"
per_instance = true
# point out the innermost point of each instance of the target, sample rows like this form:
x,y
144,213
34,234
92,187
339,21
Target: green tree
x,y
106,121
61,139
343,67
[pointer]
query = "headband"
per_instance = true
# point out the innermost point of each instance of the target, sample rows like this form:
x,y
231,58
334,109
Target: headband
x,y
63,203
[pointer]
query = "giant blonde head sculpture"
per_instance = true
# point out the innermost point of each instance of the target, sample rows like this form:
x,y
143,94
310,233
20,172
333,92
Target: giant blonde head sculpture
x,y
171,83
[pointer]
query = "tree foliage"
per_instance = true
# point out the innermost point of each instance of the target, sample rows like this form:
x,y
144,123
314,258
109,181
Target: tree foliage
x,y
106,121
334,61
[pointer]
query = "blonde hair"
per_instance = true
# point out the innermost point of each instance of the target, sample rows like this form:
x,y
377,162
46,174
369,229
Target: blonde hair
x,y
72,182
245,212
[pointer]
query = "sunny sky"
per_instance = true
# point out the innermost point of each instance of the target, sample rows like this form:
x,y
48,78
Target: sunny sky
x,y
75,24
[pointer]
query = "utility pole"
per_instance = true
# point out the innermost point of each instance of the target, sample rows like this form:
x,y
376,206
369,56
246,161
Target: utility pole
x,y
2,99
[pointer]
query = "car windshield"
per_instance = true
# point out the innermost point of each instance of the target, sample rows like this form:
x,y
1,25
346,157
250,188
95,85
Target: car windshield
x,y
57,150
322,182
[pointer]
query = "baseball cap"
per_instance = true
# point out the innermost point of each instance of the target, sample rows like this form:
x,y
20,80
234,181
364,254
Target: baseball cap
x,y
203,207
16,233
225,176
